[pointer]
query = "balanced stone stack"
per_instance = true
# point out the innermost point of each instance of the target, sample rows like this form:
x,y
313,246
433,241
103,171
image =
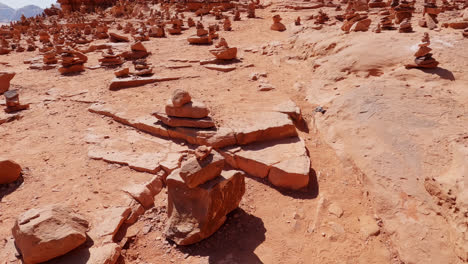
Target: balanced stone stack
x,y
405,26
72,62
110,59
200,195
423,56
356,21
404,10
430,13
277,25
50,57
202,37
181,111
386,20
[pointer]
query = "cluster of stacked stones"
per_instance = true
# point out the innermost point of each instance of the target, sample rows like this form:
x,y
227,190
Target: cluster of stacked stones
x,y
201,193
423,56
430,13
181,111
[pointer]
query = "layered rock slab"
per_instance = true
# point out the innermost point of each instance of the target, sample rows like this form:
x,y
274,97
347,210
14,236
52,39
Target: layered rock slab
x,y
284,162
262,126
45,233
195,172
196,213
246,129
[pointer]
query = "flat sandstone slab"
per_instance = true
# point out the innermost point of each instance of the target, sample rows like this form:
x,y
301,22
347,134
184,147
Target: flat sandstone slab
x,y
284,162
206,122
246,129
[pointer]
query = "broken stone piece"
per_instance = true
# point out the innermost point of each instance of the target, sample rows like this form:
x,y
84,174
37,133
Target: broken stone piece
x,y
9,171
205,122
193,109
195,172
45,233
5,78
180,97
196,213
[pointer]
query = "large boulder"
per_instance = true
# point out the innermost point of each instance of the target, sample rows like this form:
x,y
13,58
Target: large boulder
x,y
5,78
196,213
45,233
9,171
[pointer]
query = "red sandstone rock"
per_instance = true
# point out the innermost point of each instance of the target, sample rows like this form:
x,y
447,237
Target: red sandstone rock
x,y
48,232
195,172
196,213
277,25
9,171
114,37
121,83
193,109
263,126
285,162
180,97
5,78
140,193
205,122
105,254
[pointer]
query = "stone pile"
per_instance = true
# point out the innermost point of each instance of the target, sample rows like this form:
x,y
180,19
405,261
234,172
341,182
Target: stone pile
x,y
403,10
251,10
142,68
356,22
277,25
72,62
423,56
110,59
405,26
321,17
202,36
200,195
12,102
227,26
386,20
430,13
50,57
223,51
137,51
181,111
158,31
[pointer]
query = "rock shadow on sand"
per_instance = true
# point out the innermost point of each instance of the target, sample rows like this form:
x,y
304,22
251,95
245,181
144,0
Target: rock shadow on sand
x,y
234,242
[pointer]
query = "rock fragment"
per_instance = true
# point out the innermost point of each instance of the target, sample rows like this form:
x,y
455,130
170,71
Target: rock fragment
x,y
45,233
9,171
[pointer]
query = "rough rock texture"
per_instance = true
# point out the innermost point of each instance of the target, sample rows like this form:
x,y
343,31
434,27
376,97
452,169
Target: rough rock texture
x,y
180,97
106,254
263,126
195,172
5,78
196,213
45,233
9,171
192,110
206,122
285,162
